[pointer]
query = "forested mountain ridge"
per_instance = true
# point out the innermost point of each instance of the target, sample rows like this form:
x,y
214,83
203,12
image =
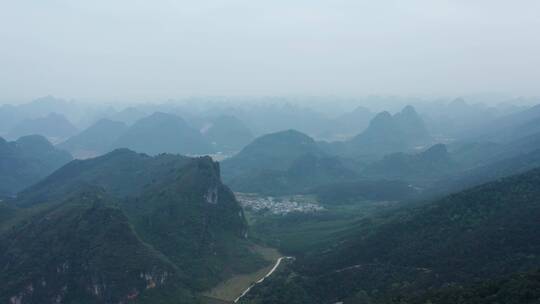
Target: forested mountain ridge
x,y
83,250
122,173
176,207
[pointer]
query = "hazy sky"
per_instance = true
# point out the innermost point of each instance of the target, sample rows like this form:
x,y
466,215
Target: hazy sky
x,y
154,49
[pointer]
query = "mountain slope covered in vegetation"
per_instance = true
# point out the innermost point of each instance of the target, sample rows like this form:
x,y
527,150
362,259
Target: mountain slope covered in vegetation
x,y
156,228
484,233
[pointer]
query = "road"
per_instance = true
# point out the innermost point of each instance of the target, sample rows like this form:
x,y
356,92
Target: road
x,y
263,278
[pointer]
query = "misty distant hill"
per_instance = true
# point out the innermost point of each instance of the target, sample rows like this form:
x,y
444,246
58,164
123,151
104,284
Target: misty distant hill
x,y
517,138
392,133
9,117
430,164
27,160
457,118
227,133
305,173
283,162
395,177
509,128
163,133
355,191
128,115
490,171
77,114
349,124
95,140
276,151
273,116
53,126
386,133
40,107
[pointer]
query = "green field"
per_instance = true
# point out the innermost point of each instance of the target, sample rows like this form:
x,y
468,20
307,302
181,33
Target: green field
x,y
229,290
297,233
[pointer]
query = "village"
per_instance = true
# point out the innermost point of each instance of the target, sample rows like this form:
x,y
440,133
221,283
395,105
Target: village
x,y
278,205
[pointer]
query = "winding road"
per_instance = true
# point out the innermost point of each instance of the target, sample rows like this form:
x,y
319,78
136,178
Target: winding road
x,y
263,278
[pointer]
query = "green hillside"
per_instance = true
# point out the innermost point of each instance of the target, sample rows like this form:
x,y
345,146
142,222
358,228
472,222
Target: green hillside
x,y
121,172
484,233
175,207
521,288
84,250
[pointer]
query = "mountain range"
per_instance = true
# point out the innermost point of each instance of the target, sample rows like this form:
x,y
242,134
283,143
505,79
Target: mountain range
x,y
160,133
404,209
